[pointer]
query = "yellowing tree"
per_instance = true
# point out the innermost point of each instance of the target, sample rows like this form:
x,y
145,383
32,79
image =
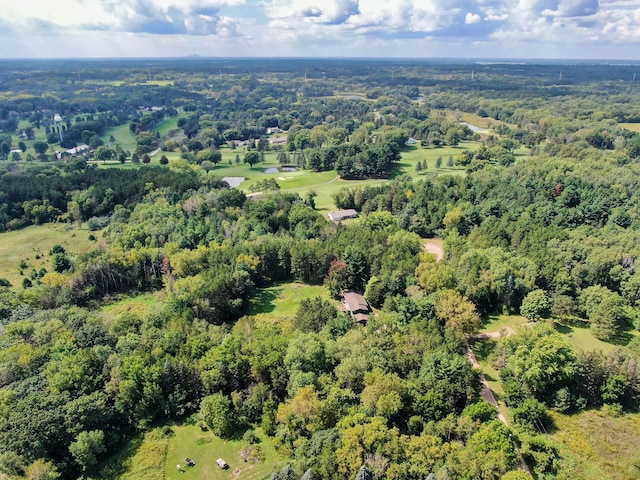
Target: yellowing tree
x,y
457,312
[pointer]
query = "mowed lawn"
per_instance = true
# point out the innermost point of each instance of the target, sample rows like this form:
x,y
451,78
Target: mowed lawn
x,y
204,448
279,303
156,455
323,184
123,136
35,241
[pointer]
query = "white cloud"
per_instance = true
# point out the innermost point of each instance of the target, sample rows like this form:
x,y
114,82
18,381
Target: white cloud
x,y
472,18
320,27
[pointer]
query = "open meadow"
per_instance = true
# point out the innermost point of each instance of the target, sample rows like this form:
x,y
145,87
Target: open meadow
x,y
157,454
27,249
279,303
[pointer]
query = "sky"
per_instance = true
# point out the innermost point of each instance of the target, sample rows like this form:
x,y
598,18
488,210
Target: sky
x,y
554,29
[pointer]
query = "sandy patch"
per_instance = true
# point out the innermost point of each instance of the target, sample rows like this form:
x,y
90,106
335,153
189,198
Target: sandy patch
x,y
434,246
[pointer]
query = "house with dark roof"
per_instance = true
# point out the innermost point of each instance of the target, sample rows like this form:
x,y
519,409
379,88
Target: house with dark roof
x,y
339,215
357,306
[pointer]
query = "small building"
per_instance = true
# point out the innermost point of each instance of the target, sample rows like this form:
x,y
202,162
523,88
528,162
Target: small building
x,y
340,215
222,464
278,140
79,150
411,141
357,306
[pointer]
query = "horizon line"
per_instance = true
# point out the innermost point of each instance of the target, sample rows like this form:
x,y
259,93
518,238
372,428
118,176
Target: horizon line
x,y
364,58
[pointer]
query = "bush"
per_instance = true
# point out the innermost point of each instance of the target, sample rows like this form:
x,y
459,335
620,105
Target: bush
x,y
250,437
98,223
531,414
56,249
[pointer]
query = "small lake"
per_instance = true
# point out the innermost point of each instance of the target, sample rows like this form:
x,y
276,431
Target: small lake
x,y
281,169
234,182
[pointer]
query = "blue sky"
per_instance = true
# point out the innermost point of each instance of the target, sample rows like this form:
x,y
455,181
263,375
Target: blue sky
x,y
582,29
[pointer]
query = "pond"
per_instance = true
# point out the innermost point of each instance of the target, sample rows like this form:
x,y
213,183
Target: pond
x,y
281,169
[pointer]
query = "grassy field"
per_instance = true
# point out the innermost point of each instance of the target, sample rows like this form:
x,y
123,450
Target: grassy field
x,y
601,445
495,323
579,336
279,303
324,184
35,241
634,127
205,448
139,304
123,136
156,455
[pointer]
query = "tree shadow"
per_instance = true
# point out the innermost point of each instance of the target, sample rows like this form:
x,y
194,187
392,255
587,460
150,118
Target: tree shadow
x,y
622,338
563,328
483,348
263,301
117,464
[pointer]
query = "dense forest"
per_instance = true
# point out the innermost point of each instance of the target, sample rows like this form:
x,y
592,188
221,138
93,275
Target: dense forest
x,y
538,215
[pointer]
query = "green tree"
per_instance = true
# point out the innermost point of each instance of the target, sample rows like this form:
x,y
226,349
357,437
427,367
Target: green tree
x,y
516,475
164,160
40,147
87,448
219,415
42,469
338,279
536,305
609,318
103,153
313,314
539,357
251,158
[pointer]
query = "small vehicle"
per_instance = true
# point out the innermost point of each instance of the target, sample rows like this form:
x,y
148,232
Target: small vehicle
x,y
222,464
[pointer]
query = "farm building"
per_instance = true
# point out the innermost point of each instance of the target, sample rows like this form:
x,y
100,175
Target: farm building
x,y
74,152
357,306
339,215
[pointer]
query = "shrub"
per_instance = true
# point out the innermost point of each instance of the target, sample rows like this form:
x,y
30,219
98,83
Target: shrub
x,y
251,437
98,223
